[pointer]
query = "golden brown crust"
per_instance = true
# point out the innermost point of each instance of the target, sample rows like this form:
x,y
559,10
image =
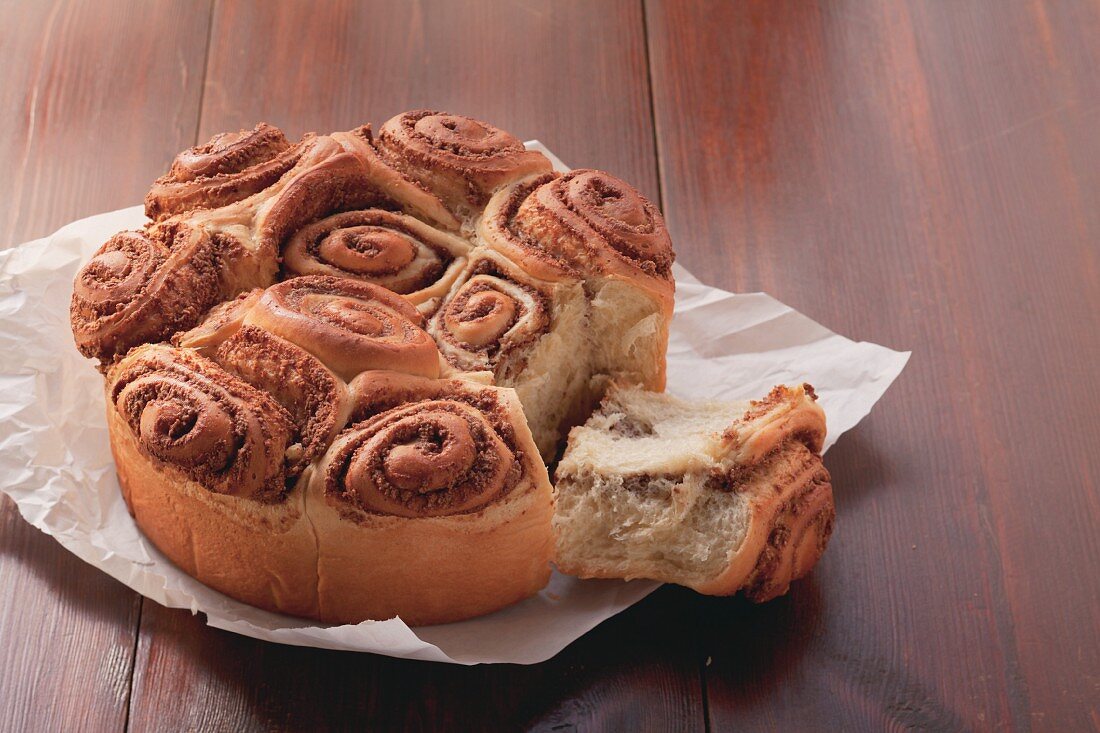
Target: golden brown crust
x,y
791,530
781,437
325,177
398,252
186,412
786,411
426,459
350,325
229,167
262,554
602,225
460,159
775,448
403,191
498,230
435,509
328,178
431,570
142,286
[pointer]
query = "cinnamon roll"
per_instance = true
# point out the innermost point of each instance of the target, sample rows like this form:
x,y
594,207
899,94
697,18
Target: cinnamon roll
x,y
250,232
144,286
363,439
188,413
497,229
349,325
719,497
315,398
530,333
229,167
253,191
600,226
201,459
398,252
459,159
141,287
436,507
397,187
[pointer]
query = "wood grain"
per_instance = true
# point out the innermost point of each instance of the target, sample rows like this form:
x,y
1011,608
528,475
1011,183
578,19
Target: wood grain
x,y
925,175
97,97
520,65
94,96
334,66
922,175
625,677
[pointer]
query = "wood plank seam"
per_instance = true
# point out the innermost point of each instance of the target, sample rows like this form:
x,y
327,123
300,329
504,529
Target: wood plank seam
x,y
703,698
702,658
194,141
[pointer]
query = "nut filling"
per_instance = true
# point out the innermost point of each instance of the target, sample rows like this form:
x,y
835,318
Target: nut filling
x,y
431,458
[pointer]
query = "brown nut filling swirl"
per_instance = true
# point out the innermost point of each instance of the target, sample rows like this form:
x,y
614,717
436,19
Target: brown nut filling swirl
x,y
458,158
398,252
188,412
314,397
600,223
498,229
231,166
496,310
349,325
143,286
431,458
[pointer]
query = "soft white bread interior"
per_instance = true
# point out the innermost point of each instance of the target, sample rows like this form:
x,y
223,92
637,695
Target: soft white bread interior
x,y
629,332
715,496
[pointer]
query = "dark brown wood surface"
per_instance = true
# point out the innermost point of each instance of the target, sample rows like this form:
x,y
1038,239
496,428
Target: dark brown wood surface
x,y
924,175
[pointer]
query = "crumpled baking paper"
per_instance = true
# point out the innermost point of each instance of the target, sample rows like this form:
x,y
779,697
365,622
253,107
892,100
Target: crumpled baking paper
x,y
56,465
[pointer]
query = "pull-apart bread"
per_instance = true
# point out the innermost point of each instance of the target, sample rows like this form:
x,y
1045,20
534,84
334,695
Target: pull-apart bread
x,y
336,370
719,497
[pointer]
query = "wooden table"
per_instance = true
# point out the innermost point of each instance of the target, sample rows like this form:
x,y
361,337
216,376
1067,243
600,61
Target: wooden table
x,y
921,174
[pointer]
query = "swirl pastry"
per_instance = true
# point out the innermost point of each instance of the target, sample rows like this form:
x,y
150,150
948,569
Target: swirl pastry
x,y
372,342
324,178
398,252
315,398
229,167
653,487
141,287
144,286
200,459
442,464
595,224
253,190
389,180
300,340
188,413
530,333
459,159
351,326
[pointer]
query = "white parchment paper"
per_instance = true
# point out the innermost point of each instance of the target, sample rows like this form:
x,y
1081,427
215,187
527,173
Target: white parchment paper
x,y
55,461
